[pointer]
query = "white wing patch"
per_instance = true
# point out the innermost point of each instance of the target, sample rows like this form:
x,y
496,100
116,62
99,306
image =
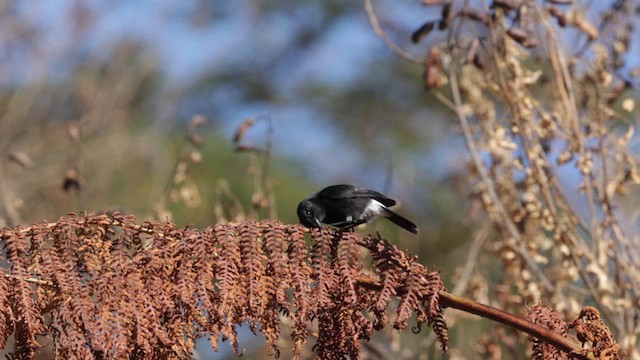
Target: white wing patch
x,y
374,208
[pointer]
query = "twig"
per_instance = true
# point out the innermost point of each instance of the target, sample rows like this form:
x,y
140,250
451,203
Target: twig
x,y
567,345
373,19
12,213
30,280
472,258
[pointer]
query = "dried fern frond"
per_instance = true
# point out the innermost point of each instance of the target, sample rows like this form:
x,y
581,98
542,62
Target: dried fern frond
x,y
116,289
550,319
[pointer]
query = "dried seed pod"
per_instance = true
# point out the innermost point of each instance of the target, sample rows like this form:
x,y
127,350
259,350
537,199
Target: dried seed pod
x,y
445,17
505,4
522,36
422,32
615,91
197,121
577,19
478,62
474,15
247,148
73,131
71,181
242,129
518,34
433,69
195,139
559,15
628,105
472,50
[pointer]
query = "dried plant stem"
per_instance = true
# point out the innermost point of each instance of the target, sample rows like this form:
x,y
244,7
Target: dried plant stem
x,y
12,213
472,258
450,300
373,19
488,183
114,222
30,280
457,302
565,89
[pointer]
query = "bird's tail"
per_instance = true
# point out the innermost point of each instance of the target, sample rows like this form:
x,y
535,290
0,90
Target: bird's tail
x,y
400,221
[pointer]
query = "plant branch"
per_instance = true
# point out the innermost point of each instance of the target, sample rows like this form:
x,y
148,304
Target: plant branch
x,y
450,300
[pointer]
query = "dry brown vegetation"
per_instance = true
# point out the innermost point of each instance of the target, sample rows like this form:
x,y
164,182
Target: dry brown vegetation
x,y
540,90
542,95
102,286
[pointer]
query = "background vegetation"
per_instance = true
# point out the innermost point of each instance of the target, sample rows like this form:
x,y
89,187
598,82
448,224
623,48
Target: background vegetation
x,y
517,161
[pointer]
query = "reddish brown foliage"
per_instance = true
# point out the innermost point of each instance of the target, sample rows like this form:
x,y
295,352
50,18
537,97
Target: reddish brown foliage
x,y
590,328
115,289
550,319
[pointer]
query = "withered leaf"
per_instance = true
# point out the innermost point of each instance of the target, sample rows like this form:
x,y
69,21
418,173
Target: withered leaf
x,y
242,129
422,32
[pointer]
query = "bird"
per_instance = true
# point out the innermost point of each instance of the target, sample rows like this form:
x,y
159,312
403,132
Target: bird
x,y
347,206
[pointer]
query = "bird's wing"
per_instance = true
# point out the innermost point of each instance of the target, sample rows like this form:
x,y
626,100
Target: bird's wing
x,y
339,192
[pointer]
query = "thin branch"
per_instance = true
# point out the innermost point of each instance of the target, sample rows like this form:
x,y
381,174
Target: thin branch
x,y
12,214
567,345
472,258
373,19
30,280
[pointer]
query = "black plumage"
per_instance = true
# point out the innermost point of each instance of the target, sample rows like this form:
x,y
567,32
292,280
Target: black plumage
x,y
347,206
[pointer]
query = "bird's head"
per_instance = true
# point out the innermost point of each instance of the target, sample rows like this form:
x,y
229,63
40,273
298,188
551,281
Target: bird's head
x,y
310,214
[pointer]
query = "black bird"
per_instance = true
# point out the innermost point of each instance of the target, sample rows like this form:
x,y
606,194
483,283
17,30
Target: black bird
x,y
346,206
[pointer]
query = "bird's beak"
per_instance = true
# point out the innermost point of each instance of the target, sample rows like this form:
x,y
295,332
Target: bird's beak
x,y
317,223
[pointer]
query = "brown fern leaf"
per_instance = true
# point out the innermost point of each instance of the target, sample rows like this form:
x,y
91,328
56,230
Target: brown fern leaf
x,y
441,330
418,288
591,328
329,345
275,244
230,286
276,280
253,269
70,243
116,289
409,300
346,326
550,319
206,245
350,269
325,279
387,267
300,274
431,304
348,264
6,311
28,323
